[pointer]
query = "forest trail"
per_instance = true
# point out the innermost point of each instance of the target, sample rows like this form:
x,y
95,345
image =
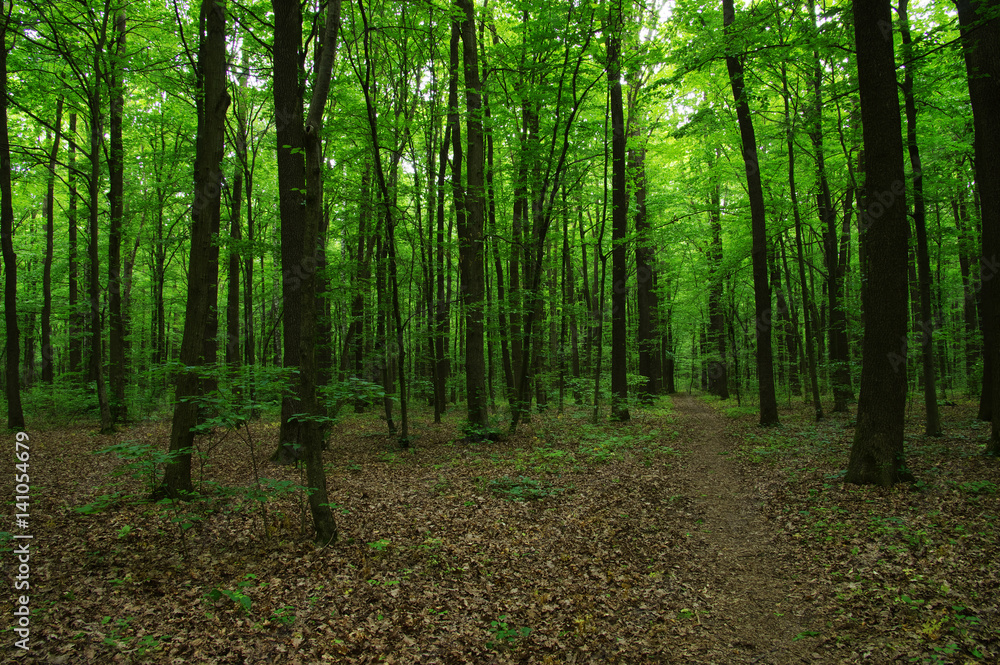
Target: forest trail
x,y
747,572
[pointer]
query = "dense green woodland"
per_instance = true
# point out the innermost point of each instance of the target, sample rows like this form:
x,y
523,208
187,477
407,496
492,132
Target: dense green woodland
x,y
221,209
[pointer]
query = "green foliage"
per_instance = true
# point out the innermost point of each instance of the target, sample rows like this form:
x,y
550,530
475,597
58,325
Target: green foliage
x,y
505,637
522,488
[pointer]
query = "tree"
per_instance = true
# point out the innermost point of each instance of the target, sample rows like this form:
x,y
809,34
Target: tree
x,y
116,196
619,217
980,27
212,102
926,323
762,292
300,175
877,456
15,414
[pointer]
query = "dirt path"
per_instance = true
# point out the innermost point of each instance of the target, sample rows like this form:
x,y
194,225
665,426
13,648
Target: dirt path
x,y
747,573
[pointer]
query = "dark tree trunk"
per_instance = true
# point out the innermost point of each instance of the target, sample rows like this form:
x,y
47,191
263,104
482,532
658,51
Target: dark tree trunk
x,y
94,279
839,369
116,197
619,219
470,242
877,455
646,299
15,414
48,354
75,323
980,26
807,304
926,323
233,275
969,318
762,293
212,104
717,370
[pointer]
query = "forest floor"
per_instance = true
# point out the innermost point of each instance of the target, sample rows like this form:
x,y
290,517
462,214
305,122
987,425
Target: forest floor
x,y
686,535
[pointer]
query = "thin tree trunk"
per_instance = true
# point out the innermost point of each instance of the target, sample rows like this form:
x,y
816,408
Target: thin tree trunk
x,y
717,370
75,325
116,198
932,426
762,294
619,219
48,354
15,414
471,241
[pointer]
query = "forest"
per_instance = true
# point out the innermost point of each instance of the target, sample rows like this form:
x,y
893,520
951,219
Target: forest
x,y
501,330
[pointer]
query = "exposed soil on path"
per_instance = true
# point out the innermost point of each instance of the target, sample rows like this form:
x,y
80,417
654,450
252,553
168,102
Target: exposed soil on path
x,y
747,569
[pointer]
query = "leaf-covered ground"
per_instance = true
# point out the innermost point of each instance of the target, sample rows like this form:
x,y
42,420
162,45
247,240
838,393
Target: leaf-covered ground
x,y
687,535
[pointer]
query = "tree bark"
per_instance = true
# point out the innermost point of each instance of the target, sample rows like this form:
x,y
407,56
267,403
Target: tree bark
x,y
762,293
207,203
926,324
75,323
116,199
471,240
877,454
15,414
717,370
980,27
48,354
619,219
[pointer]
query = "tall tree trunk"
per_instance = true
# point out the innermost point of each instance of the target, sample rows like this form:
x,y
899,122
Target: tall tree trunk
x,y
980,26
619,218
75,324
646,298
969,318
717,370
48,354
807,310
212,104
233,275
761,291
839,371
116,198
877,455
471,241
926,324
15,414
94,279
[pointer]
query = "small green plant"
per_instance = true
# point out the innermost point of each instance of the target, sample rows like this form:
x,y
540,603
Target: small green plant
x,y
503,636
238,597
380,545
284,615
804,634
522,488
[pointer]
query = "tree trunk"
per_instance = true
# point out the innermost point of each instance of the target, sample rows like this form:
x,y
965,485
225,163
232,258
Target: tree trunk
x,y
15,414
762,294
717,370
877,455
926,324
619,218
212,104
48,354
94,279
980,26
646,298
471,240
807,310
75,324
116,198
